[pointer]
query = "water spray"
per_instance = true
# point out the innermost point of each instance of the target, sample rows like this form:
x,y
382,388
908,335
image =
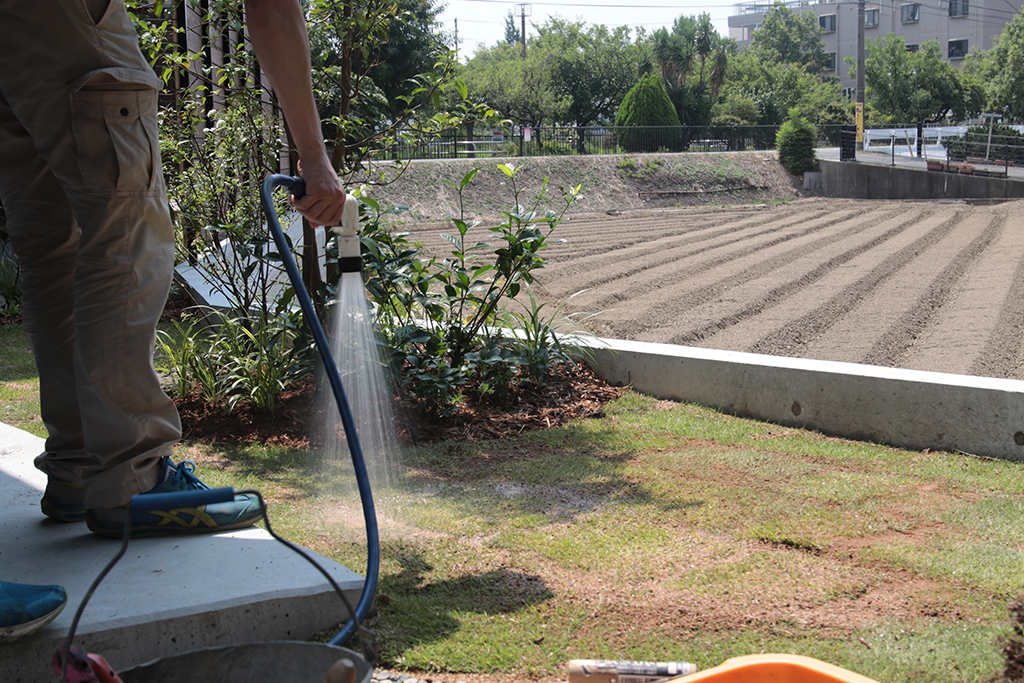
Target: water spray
x,y
350,219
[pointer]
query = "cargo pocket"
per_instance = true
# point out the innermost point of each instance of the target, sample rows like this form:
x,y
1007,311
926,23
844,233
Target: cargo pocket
x,y
114,124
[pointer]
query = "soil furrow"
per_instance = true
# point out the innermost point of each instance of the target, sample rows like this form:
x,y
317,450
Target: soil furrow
x,y
841,284
659,295
845,249
810,325
877,309
1002,354
641,267
894,345
598,235
723,292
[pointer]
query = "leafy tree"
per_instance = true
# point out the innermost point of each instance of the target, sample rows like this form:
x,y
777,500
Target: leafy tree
x,y
594,68
776,87
522,90
513,33
646,104
366,58
790,37
415,44
735,110
1002,68
908,86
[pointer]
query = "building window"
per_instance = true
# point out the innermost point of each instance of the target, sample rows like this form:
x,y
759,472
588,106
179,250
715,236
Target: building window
x,y
957,49
959,8
828,21
871,18
830,61
910,13
912,47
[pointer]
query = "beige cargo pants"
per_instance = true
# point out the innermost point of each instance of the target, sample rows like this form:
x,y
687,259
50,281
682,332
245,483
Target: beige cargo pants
x,y
81,184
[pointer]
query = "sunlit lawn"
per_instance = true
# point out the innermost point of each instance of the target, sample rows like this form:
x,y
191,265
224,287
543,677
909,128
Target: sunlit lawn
x,y
660,531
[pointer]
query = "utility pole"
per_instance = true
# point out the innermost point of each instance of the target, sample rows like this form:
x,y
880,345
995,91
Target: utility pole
x,y
860,73
524,11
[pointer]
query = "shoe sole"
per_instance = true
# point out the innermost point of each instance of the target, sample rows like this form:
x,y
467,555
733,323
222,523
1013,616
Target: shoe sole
x,y
9,634
136,531
56,513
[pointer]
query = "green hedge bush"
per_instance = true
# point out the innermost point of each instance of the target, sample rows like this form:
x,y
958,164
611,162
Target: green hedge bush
x,y
646,104
795,142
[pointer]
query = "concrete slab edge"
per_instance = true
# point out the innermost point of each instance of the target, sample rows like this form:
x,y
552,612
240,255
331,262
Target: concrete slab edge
x,y
280,619
904,408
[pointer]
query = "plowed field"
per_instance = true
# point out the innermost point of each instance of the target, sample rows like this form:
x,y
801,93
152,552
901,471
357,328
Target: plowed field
x,y
925,286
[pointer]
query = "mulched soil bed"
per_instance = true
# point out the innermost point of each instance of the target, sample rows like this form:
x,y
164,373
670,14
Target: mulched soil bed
x,y
298,416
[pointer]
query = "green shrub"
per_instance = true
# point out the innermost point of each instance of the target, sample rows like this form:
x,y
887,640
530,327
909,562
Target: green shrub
x,y
646,104
442,318
795,142
233,360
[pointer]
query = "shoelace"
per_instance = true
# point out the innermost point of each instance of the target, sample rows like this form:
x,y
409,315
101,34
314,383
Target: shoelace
x,y
184,475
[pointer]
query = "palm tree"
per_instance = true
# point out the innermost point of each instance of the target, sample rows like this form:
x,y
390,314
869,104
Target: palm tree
x,y
677,52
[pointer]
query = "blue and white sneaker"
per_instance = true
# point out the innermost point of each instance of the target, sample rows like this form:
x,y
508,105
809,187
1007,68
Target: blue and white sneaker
x,y
239,513
63,501
24,608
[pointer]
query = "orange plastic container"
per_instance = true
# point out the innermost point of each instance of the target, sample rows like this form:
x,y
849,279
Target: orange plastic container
x,y
774,669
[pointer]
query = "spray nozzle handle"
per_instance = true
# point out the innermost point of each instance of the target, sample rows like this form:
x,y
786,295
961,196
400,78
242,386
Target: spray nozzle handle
x,y
297,187
182,499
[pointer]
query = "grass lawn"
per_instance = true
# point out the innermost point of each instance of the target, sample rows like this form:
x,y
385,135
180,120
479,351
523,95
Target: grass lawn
x,y
659,531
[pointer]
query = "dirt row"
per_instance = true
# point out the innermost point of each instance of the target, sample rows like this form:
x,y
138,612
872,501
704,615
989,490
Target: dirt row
x,y
917,285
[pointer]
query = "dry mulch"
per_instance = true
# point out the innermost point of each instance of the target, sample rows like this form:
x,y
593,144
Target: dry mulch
x,y
296,422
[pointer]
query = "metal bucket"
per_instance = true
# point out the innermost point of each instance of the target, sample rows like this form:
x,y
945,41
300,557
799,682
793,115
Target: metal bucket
x,y
276,661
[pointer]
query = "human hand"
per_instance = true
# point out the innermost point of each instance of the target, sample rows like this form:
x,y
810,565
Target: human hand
x,y
325,195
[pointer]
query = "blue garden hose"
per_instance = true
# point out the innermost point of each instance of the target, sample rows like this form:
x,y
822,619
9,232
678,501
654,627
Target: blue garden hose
x,y
298,188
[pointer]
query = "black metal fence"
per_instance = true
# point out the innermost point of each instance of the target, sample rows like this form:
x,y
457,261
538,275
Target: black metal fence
x,y
982,148
568,141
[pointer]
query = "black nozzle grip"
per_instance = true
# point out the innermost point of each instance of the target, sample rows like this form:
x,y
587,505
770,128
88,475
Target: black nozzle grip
x,y
297,188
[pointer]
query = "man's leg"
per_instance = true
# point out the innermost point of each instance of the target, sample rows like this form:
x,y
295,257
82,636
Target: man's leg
x,y
45,237
88,111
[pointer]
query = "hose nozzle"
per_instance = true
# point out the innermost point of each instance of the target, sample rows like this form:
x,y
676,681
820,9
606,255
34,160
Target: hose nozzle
x,y
349,259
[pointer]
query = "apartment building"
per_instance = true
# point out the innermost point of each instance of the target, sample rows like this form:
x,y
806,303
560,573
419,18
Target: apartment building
x,y
959,26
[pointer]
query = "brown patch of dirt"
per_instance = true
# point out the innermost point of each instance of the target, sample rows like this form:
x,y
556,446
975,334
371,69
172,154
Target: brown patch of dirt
x,y
290,424
573,392
609,183
935,286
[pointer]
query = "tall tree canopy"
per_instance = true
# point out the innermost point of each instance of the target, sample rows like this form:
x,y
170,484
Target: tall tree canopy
x,y
906,86
776,87
513,33
790,37
1002,69
520,89
594,67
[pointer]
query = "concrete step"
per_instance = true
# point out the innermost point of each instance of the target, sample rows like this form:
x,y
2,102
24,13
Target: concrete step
x,y
166,595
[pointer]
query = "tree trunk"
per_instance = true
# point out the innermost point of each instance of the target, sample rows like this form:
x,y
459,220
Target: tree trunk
x,y
339,152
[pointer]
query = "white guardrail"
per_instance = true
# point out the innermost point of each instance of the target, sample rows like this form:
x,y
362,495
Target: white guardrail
x,y
903,141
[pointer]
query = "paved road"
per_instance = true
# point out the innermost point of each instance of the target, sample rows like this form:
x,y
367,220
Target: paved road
x,y
904,161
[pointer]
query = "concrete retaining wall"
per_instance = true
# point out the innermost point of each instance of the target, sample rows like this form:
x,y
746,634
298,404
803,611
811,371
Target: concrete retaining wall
x,y
854,180
904,408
